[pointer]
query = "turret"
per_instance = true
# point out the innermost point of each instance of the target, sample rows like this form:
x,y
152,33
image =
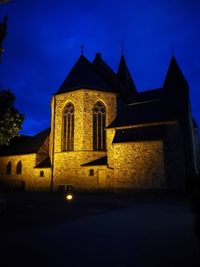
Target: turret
x,y
124,75
176,89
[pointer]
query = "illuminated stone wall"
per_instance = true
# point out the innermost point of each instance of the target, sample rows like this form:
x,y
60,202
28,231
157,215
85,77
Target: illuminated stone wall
x,y
146,164
138,164
67,165
84,101
29,175
81,179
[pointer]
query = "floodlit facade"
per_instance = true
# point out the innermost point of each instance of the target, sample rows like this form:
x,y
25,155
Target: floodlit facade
x,y
107,136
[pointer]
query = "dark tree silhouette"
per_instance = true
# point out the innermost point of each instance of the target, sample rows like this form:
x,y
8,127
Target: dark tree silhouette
x,y
10,119
3,31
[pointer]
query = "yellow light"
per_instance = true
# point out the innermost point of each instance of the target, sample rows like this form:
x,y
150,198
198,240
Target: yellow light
x,y
69,197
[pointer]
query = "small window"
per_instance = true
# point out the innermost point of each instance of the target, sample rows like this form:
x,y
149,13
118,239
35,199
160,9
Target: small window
x,y
91,172
19,168
41,173
9,168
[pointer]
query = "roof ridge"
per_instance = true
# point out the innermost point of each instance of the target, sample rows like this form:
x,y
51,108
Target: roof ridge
x,y
83,75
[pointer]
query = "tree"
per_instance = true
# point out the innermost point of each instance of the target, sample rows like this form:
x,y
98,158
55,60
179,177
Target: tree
x,y
10,119
3,31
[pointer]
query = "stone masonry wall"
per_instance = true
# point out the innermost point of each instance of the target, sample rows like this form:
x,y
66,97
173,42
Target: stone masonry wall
x,y
67,165
29,175
84,101
138,164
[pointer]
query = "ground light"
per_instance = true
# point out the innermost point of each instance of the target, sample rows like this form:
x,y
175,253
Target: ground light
x,y
69,197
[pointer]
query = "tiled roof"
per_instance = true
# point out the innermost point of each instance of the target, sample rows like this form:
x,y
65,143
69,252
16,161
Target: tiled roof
x,y
139,134
26,146
83,75
97,162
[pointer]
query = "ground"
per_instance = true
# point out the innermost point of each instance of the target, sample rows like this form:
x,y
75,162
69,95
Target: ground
x,y
98,230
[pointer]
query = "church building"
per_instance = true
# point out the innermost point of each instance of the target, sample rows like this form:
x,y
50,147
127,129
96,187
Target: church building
x,y
105,135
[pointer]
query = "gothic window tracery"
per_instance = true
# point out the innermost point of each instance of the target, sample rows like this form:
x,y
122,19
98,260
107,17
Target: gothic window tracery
x,y
99,123
68,128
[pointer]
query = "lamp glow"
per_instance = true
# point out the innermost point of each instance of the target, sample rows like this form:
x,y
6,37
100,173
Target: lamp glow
x,y
69,197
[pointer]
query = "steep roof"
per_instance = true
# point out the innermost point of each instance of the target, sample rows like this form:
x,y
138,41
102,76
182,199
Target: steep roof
x,y
111,78
97,162
83,75
139,134
46,163
175,78
27,146
124,75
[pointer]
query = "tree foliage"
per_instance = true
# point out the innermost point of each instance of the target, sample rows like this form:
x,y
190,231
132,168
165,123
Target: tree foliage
x,y
10,119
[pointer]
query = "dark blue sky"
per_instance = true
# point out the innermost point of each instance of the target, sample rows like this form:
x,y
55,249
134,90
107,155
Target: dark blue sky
x,y
44,39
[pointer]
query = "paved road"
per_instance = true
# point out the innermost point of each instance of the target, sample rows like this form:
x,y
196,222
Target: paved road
x,y
145,233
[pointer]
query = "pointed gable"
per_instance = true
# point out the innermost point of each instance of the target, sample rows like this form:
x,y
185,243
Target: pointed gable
x,y
111,78
106,73
83,75
175,78
124,75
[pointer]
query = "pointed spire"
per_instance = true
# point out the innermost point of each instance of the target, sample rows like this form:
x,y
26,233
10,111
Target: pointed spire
x,y
175,78
125,76
107,74
111,78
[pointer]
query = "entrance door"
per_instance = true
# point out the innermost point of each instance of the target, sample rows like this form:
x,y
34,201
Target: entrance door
x,y
102,181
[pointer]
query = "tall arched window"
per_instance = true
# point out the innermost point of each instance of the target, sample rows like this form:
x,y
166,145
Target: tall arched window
x,y
8,168
19,167
99,123
68,128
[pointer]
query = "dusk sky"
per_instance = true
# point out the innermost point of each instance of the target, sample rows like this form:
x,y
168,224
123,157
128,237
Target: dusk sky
x,y
44,38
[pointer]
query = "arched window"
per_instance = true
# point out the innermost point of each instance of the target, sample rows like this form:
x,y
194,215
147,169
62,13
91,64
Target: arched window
x,y
68,128
19,167
99,123
91,172
41,173
9,168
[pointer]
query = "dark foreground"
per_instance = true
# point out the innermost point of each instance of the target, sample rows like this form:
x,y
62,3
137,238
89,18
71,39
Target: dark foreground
x,y
98,230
